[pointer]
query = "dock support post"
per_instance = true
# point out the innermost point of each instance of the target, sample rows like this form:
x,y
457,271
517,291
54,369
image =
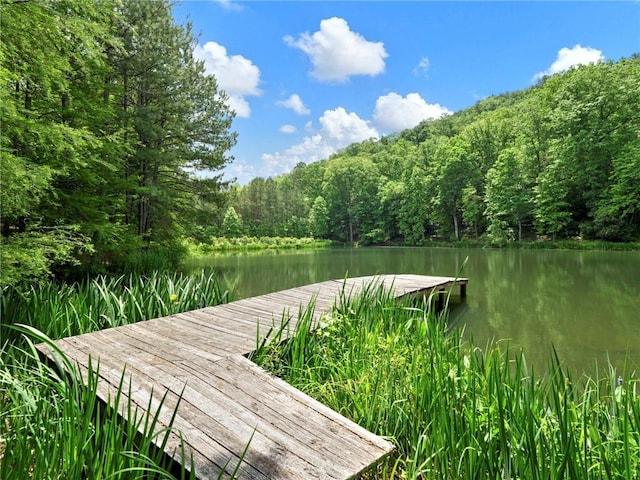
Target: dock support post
x,y
463,290
440,301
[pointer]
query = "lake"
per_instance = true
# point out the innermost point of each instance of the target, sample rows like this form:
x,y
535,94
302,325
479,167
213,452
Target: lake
x,y
584,303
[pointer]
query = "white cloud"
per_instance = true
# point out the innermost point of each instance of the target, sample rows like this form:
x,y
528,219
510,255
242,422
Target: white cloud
x,y
571,57
294,102
236,75
394,113
239,104
338,129
338,53
422,68
288,129
311,149
341,128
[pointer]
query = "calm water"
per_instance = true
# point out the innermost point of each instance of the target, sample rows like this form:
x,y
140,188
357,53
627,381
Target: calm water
x,y
586,304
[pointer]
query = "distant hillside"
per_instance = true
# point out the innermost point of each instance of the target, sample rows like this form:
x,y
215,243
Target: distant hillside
x,y
559,159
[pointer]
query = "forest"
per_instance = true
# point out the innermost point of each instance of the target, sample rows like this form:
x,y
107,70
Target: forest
x,y
114,139
107,121
560,159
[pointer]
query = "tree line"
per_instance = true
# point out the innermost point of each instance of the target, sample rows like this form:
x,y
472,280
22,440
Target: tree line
x,y
107,120
559,159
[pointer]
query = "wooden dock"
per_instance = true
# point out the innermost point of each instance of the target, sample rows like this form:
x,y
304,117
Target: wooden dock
x,y
197,360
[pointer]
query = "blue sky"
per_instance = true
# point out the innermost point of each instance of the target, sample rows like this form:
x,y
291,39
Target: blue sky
x,y
308,78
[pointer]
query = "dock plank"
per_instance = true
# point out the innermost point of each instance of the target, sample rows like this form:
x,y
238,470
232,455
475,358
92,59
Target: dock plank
x,y
196,362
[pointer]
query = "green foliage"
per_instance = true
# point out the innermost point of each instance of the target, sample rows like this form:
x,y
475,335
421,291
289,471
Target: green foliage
x,y
349,188
22,186
232,223
389,199
413,213
557,160
32,255
106,119
453,410
452,172
61,310
472,209
176,119
273,207
509,196
623,199
318,218
552,211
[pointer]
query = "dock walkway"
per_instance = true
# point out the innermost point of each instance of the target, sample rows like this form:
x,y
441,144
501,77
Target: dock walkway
x,y
197,360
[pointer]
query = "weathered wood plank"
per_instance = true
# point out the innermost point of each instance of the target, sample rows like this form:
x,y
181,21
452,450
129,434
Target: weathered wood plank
x,y
150,379
193,361
276,439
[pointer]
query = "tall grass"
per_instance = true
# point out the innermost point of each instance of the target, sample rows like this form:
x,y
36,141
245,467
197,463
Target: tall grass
x,y
51,424
61,310
455,411
54,427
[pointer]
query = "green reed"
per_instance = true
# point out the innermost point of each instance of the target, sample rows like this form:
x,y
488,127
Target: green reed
x,y
453,410
61,310
51,423
54,427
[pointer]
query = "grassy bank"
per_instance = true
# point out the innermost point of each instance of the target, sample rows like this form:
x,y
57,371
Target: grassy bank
x,y
574,245
454,411
540,245
52,426
222,245
254,244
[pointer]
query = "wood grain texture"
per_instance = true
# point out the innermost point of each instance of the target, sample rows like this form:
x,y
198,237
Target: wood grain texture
x,y
195,362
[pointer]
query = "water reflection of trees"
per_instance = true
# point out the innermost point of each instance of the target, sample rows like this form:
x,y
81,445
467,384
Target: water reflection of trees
x,y
581,303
